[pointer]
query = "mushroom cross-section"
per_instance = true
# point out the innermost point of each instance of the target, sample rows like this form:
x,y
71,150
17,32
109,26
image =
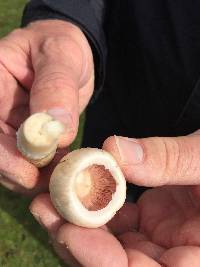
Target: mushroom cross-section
x,y
87,187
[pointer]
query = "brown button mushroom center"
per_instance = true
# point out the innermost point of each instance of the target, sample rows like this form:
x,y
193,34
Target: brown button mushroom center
x,y
94,187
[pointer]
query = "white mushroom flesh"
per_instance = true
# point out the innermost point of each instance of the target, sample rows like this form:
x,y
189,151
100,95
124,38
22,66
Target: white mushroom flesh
x,y
87,187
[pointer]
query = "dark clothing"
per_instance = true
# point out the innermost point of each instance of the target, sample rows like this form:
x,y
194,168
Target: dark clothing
x,y
150,78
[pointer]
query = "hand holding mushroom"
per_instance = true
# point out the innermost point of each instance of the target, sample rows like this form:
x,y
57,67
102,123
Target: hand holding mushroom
x,y
161,229
46,67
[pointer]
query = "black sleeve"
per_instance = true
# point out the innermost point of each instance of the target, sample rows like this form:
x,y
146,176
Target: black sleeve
x,y
87,14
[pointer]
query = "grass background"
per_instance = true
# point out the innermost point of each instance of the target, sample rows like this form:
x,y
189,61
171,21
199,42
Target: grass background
x,y
22,241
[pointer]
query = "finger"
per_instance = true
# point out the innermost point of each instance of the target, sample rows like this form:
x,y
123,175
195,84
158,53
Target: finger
x,y
58,63
14,166
188,233
44,212
15,56
138,241
69,240
158,161
5,182
40,185
181,257
14,100
46,215
126,219
56,84
172,217
139,259
38,188
80,242
64,254
6,129
162,213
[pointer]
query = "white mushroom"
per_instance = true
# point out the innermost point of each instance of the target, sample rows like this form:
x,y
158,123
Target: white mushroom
x,y
37,138
87,187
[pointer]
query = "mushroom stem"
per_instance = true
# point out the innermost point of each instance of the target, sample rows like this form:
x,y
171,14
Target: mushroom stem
x,y
37,138
87,187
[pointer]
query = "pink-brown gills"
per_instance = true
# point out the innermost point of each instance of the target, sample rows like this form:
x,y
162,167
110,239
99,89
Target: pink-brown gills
x,y
101,188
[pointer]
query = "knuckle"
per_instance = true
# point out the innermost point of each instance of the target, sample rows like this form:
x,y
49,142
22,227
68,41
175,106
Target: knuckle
x,y
178,158
53,43
53,81
62,52
171,158
186,165
59,44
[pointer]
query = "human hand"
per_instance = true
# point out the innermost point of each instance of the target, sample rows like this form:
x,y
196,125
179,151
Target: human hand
x,y
169,215
162,229
46,66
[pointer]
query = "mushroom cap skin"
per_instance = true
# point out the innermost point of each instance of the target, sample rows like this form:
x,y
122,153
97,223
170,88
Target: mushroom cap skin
x,y
63,184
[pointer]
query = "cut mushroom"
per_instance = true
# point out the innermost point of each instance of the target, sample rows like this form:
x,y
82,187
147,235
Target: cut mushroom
x,y
37,138
87,187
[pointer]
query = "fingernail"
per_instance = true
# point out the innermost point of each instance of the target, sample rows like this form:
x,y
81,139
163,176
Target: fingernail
x,y
62,116
131,152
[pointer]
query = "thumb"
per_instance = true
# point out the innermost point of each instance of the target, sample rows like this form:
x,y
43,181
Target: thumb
x,y
58,76
158,161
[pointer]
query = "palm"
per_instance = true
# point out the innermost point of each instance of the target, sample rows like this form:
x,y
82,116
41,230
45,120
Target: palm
x,y
165,232
169,220
170,216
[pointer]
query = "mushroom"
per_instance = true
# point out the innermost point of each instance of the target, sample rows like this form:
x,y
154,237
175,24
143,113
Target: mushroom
x,y
37,138
87,187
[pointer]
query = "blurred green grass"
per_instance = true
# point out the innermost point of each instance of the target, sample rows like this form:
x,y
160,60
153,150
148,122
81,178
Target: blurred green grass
x,y
22,241
10,14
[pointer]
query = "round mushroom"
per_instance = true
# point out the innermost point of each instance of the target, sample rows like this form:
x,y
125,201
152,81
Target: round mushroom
x,y
88,187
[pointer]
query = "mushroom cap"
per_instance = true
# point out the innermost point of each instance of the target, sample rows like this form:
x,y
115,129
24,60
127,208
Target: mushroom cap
x,y
63,185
